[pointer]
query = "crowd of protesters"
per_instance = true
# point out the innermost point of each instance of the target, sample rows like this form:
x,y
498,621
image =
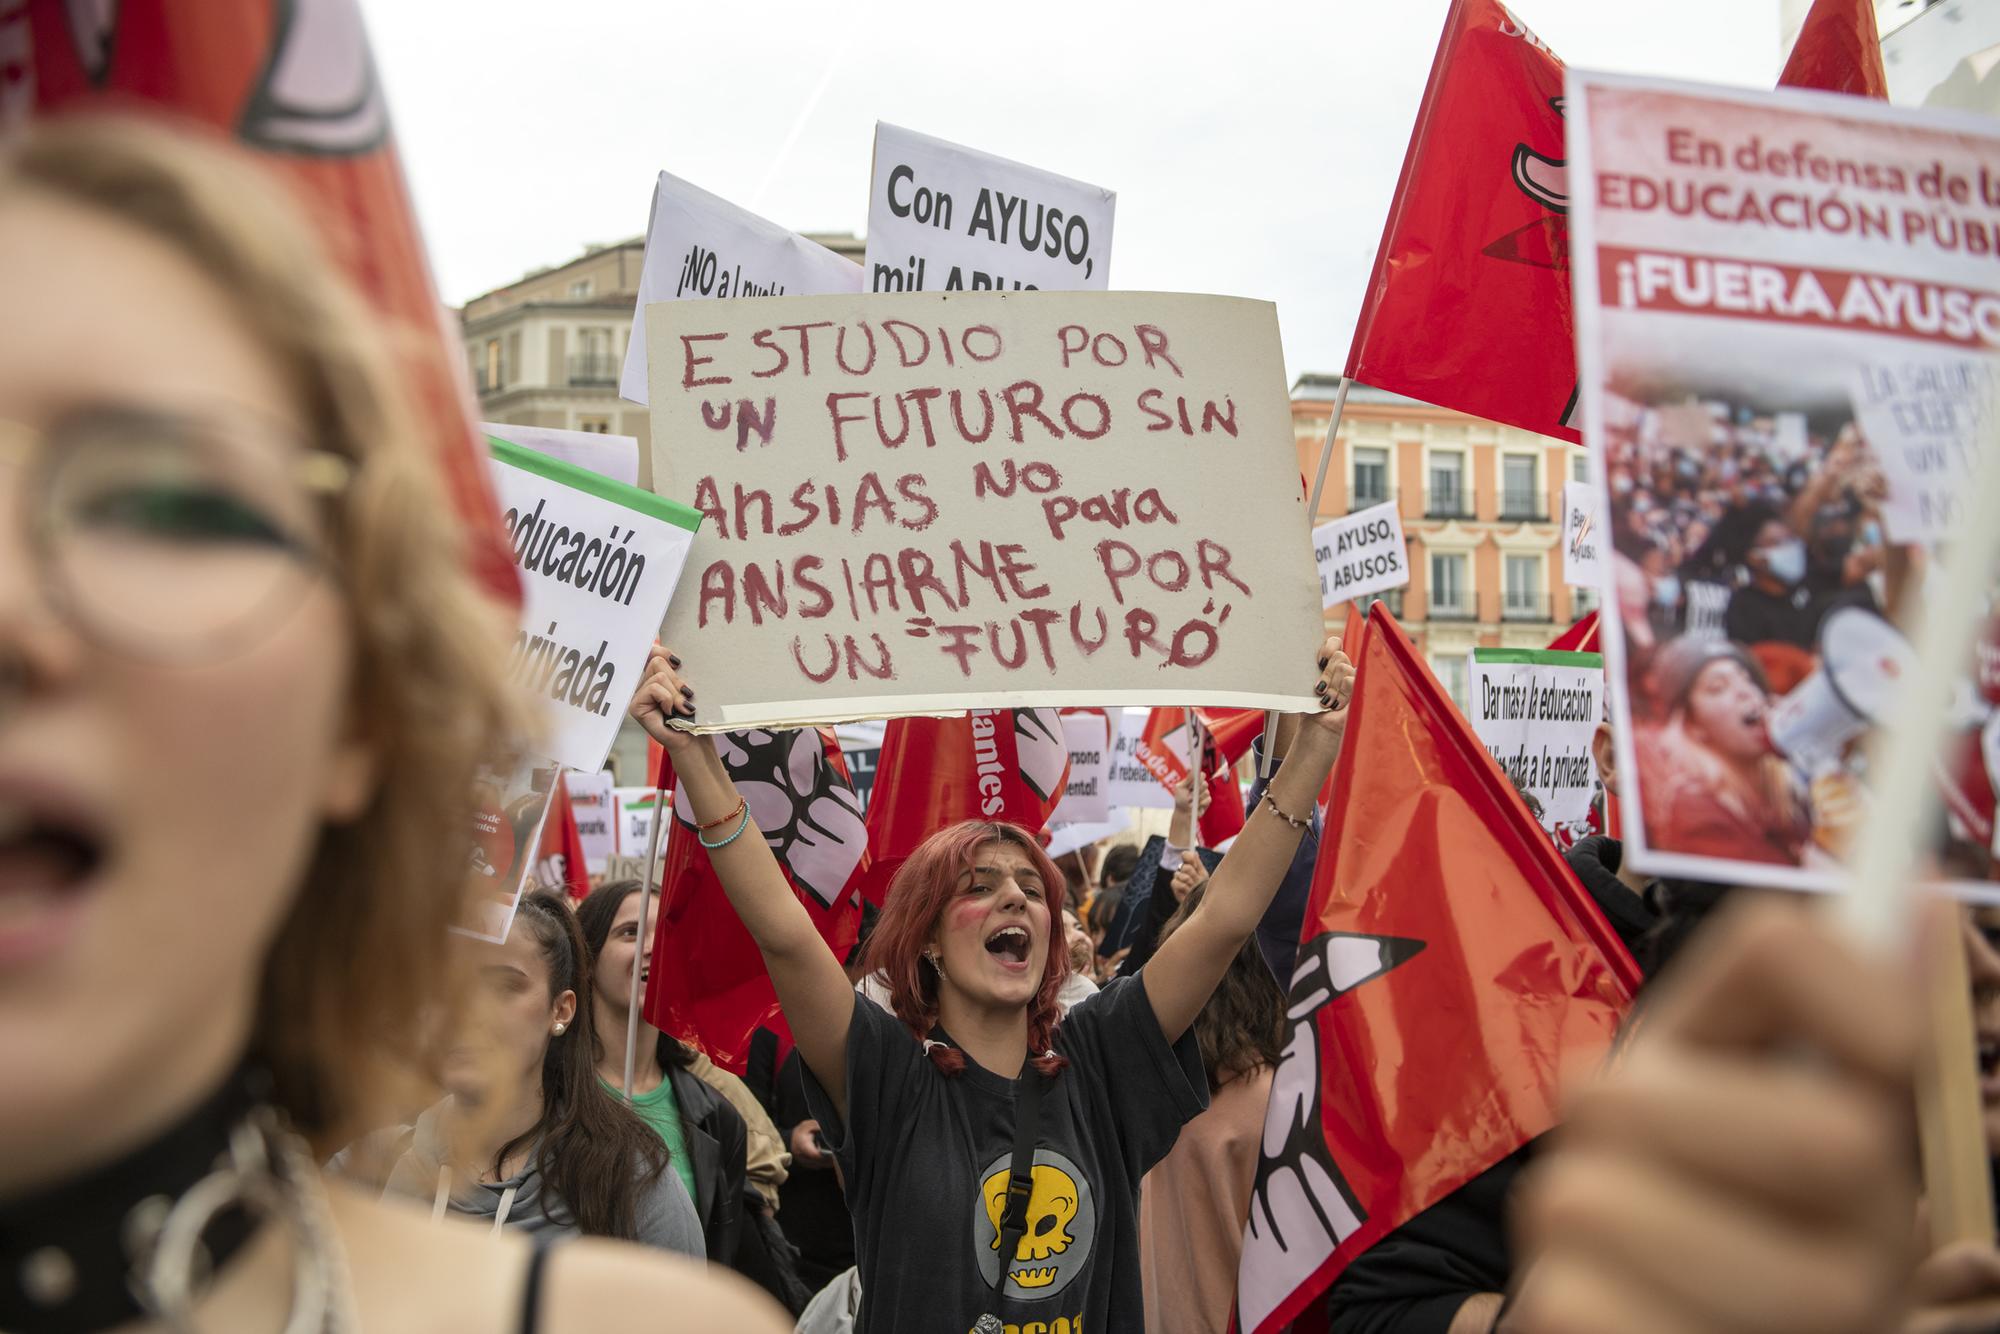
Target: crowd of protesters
x,y
224,902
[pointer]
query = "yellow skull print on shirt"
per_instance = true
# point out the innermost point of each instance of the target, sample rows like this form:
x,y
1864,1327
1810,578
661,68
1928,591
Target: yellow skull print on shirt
x,y
1062,1227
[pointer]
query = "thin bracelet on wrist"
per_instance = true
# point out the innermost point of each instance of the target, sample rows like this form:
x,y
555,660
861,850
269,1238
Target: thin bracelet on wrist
x,y
1279,811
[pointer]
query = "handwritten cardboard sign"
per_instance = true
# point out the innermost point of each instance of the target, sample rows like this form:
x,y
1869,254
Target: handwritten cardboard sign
x,y
983,500
700,247
1361,554
944,218
1926,416
598,563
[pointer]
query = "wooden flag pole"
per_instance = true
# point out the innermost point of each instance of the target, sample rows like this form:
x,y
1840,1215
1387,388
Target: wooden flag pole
x,y
1950,1117
1877,904
1268,763
662,812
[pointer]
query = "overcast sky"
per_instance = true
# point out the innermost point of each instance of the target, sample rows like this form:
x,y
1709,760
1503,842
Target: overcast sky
x,y
1253,144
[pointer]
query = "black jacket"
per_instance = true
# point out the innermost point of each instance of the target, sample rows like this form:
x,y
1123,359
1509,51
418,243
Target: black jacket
x,y
717,1144
1414,1280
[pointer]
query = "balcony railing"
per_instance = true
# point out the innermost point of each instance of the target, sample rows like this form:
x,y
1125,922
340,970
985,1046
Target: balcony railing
x,y
1524,507
1451,502
1526,607
1453,611
1392,599
489,381
1359,501
593,369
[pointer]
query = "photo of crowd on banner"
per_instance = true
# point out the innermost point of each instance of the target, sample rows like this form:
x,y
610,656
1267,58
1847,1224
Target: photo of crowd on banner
x,y
1760,599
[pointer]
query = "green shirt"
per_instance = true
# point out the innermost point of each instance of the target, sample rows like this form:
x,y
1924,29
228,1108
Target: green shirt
x,y
662,1111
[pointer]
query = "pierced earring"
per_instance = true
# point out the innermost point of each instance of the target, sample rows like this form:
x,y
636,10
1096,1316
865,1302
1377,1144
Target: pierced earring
x,y
560,1028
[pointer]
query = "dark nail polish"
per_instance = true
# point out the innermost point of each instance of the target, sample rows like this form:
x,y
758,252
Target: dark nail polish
x,y
687,692
1322,663
673,662
687,709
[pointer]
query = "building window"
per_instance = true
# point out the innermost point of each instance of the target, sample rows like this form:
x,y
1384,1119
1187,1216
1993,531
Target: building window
x,y
1582,600
1451,591
579,289
596,425
593,364
1579,467
1520,498
1451,673
1371,476
1447,486
489,372
1524,599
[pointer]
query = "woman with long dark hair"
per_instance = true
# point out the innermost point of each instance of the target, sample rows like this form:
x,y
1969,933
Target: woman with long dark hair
x,y
704,1134
1194,1203
529,1138
992,1148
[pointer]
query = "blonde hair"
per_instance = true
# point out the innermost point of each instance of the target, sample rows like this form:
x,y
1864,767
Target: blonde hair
x,y
357,963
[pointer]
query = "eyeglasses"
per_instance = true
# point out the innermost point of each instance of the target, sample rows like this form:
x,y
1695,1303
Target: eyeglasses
x,y
173,537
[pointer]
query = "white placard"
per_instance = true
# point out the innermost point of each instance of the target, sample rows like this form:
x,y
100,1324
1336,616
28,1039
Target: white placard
x,y
1361,554
591,802
1131,783
1583,536
1087,799
1536,710
599,562
1065,838
634,806
943,218
700,247
613,456
1925,414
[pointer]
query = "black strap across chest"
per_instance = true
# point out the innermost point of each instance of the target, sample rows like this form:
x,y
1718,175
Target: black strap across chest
x,y
1021,1172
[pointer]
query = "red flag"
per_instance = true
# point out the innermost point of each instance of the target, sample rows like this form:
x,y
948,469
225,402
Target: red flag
x,y
1163,749
1451,973
1579,638
1468,306
296,85
708,984
559,860
995,764
1838,50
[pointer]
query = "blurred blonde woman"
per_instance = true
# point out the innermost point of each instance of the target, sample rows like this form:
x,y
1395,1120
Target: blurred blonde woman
x,y
245,686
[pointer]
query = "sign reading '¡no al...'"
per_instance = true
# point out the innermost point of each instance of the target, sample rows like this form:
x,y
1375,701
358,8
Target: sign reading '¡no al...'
x,y
920,504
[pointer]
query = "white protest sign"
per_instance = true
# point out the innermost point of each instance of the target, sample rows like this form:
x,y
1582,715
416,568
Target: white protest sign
x,y
613,456
1925,415
1787,324
1360,554
1030,499
634,806
1536,710
591,802
1067,838
943,218
1087,799
599,562
1130,783
1582,536
700,247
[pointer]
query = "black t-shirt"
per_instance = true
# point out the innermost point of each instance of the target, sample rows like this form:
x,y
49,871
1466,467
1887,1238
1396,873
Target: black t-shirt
x,y
1792,617
926,1157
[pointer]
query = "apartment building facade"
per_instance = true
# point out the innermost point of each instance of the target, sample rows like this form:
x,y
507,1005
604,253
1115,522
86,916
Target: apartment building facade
x,y
1481,506
548,349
